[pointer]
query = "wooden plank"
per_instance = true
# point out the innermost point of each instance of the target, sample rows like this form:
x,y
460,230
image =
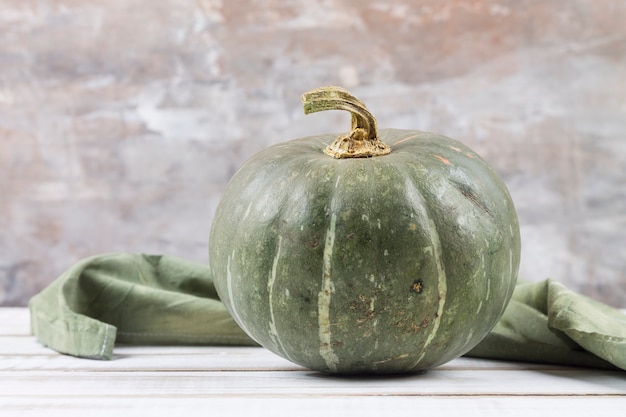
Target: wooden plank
x,y
14,321
212,359
25,353
38,384
362,406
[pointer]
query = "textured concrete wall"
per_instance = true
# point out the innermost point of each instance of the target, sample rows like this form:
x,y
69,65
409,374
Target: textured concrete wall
x,y
122,120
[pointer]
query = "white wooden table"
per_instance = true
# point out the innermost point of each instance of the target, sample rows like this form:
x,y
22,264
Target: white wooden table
x,y
229,381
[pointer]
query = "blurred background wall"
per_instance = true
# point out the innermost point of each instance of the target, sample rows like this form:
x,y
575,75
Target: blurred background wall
x,y
121,121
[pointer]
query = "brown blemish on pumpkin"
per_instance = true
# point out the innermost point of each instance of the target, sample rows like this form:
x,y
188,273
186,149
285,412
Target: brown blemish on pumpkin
x,y
350,236
408,325
442,159
401,323
413,226
312,243
408,138
468,193
470,155
363,308
417,287
366,316
454,148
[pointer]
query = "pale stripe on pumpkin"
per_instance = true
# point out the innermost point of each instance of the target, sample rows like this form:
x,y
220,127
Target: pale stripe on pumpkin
x,y
229,286
278,344
324,296
442,285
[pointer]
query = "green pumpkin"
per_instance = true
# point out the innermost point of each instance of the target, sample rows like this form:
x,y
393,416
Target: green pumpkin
x,y
376,252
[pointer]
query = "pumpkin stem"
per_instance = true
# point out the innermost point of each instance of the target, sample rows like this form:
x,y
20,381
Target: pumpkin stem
x,y
362,141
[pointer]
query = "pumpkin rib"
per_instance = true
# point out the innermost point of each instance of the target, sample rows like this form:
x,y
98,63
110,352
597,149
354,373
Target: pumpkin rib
x,y
442,286
436,251
440,176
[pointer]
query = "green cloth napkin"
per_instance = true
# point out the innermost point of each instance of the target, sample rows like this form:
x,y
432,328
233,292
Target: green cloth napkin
x,y
154,299
131,298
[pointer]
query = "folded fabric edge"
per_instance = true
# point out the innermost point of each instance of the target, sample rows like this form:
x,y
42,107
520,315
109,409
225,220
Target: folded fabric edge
x,y
537,353
595,326
71,333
